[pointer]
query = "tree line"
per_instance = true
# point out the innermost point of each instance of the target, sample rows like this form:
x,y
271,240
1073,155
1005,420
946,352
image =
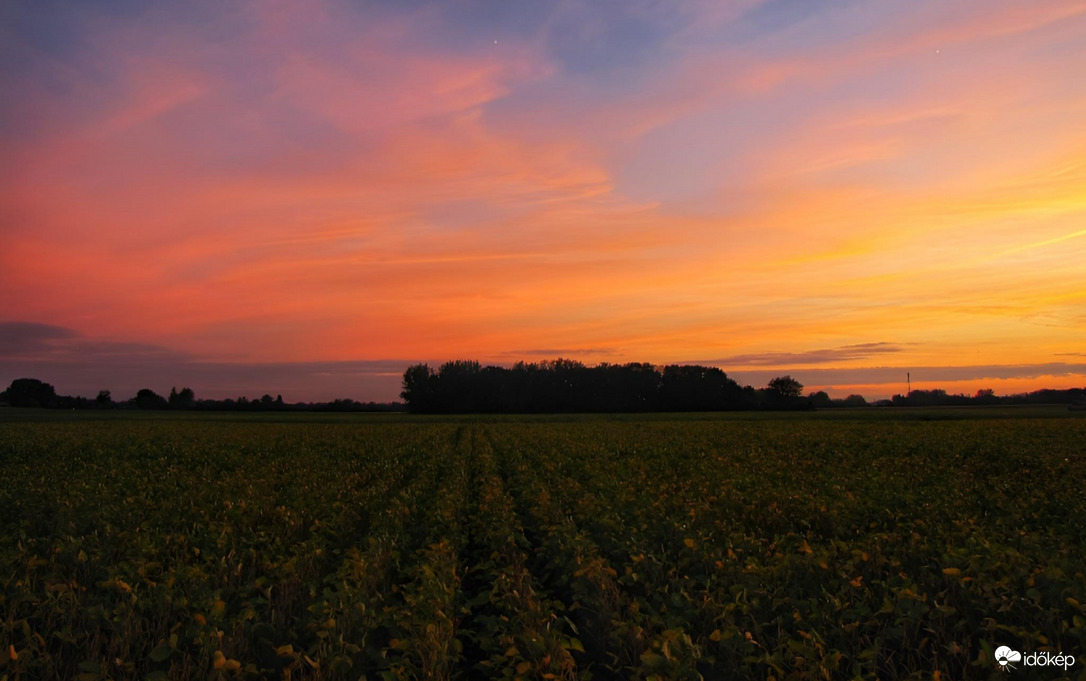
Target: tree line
x,y
564,385
31,392
553,386
568,386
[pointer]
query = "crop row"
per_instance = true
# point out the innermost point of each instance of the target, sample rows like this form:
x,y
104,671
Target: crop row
x,y
538,550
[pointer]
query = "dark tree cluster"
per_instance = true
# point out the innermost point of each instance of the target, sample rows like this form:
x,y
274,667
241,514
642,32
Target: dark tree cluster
x,y
564,385
568,386
940,398
30,392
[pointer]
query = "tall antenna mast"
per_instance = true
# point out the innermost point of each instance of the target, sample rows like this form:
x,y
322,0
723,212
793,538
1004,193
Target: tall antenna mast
x,y
909,379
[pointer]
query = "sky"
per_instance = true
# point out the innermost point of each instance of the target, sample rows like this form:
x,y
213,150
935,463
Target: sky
x,y
305,198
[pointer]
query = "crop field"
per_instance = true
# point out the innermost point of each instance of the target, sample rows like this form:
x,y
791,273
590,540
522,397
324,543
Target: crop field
x,y
664,547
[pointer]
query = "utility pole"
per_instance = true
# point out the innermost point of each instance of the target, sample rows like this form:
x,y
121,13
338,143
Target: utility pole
x,y
909,379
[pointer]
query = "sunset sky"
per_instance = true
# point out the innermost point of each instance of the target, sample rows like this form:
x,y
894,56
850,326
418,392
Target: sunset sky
x,y
304,198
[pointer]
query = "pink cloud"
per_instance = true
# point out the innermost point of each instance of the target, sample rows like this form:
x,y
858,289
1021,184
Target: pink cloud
x,y
279,197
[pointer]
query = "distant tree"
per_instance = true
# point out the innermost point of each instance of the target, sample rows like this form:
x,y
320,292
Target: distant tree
x,y
785,387
149,399
104,399
566,385
458,387
923,398
186,399
855,401
820,399
695,388
30,392
418,388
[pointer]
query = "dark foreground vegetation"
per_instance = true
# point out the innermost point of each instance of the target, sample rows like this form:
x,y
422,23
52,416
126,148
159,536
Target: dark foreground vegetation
x,y
771,546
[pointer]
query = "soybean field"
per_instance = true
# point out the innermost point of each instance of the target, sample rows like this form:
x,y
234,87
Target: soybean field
x,y
666,547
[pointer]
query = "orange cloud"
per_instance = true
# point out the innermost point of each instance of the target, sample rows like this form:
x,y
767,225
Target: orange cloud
x,y
284,198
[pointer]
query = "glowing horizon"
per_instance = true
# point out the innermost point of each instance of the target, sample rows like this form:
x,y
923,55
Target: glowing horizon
x,y
803,188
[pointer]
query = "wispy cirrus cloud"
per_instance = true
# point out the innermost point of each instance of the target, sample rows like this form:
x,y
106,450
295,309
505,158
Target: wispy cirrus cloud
x,y
846,353
580,354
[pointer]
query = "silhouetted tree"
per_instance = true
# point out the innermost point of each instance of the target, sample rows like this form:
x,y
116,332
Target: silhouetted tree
x,y
820,399
854,401
418,388
926,398
638,386
785,387
186,399
698,388
104,400
149,399
30,392
458,387
568,385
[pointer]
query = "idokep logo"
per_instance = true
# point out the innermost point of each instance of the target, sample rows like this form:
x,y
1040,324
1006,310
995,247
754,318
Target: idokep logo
x,y
1008,658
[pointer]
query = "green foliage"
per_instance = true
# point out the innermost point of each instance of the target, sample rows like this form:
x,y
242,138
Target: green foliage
x,y
585,549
